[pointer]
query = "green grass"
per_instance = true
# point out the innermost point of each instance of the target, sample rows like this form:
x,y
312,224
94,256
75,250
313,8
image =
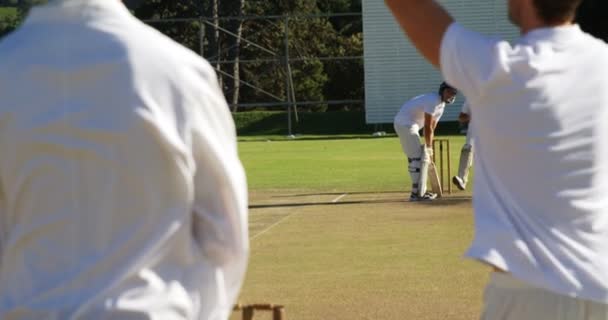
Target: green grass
x,y
8,11
352,163
308,137
371,256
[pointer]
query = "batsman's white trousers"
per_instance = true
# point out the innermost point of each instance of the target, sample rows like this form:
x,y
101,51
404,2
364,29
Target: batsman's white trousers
x,y
409,137
469,139
507,298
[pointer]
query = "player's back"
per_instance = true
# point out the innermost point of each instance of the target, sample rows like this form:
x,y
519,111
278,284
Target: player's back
x,y
541,122
96,169
412,112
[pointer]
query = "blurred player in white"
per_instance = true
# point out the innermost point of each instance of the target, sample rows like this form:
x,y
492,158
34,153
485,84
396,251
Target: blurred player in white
x,y
423,111
466,154
122,195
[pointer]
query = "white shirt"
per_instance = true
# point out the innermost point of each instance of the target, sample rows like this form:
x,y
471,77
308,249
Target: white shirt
x,y
470,140
122,193
465,108
541,125
412,112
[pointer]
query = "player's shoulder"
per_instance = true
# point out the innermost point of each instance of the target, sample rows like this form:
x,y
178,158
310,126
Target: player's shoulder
x,y
426,100
592,55
426,97
432,99
596,44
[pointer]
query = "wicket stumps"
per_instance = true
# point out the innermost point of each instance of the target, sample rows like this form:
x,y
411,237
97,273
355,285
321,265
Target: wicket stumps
x,y
443,146
278,312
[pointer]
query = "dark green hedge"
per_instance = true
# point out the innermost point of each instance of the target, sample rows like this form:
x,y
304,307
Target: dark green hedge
x,y
316,123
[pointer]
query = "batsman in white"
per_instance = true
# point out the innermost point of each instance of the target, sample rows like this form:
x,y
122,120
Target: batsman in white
x,y
466,153
541,130
121,192
423,111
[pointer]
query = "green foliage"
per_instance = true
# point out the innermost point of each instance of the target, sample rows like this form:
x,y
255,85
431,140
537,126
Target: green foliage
x,y
345,25
347,75
308,39
312,123
13,12
275,123
9,20
184,32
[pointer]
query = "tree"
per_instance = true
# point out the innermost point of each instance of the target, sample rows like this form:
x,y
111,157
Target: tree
x,y
9,19
184,32
233,45
234,54
222,39
249,73
8,22
308,39
346,75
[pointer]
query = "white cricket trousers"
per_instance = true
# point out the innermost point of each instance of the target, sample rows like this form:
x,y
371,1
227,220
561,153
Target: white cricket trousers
x,y
409,137
507,298
469,139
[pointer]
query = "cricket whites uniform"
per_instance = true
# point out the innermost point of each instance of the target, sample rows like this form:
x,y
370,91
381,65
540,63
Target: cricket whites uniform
x,y
541,184
469,139
408,123
466,154
122,195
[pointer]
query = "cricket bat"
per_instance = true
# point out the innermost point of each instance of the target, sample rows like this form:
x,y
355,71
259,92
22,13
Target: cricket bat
x,y
434,178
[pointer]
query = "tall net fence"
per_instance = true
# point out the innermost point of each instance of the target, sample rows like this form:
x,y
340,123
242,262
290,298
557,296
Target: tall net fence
x,y
283,62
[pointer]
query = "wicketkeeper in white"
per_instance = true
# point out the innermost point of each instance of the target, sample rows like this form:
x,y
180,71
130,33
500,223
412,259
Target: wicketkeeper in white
x,y
423,111
466,153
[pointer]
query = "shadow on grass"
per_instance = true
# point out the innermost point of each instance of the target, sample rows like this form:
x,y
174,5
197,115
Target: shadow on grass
x,y
311,138
444,202
313,204
447,202
336,194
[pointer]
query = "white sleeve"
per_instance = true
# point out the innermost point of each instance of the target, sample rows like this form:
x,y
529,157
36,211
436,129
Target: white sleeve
x,y
468,59
220,189
431,105
431,109
465,108
439,115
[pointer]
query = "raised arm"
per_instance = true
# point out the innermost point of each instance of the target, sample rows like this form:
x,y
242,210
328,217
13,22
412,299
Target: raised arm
x,y
425,22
